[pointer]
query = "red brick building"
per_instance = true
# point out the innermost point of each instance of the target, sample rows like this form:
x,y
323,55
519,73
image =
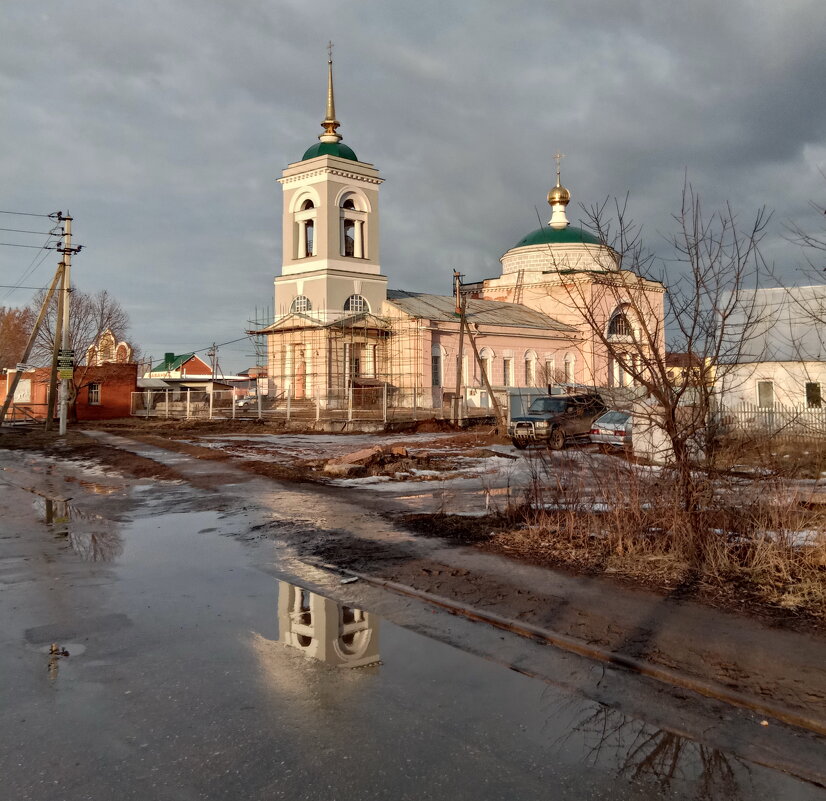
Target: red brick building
x,y
104,392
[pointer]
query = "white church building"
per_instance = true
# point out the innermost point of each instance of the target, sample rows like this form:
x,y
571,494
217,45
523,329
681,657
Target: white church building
x,y
338,328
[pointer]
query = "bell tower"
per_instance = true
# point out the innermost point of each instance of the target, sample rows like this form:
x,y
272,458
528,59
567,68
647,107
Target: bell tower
x,y
330,229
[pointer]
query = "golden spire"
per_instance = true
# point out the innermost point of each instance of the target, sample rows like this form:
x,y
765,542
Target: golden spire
x,y
330,122
558,199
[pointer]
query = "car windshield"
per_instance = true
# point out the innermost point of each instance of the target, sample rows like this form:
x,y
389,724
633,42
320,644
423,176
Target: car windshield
x,y
544,405
613,419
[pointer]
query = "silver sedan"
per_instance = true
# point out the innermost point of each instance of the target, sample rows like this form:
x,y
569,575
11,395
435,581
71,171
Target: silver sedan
x,y
612,430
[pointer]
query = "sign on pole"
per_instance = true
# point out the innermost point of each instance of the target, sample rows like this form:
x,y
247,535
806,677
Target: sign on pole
x,y
65,364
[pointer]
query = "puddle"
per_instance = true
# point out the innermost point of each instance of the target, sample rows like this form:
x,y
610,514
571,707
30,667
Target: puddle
x,y
530,725
326,631
92,537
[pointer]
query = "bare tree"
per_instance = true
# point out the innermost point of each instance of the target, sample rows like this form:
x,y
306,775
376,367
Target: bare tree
x,y
704,314
90,316
15,328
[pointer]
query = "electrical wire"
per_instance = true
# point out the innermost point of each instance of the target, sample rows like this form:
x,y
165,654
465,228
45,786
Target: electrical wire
x,y
32,266
35,247
25,214
26,231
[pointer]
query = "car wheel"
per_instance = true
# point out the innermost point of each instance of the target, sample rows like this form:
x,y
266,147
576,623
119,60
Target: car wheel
x,y
557,440
519,444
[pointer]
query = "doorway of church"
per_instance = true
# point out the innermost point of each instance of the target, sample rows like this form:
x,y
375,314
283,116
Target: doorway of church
x,y
299,372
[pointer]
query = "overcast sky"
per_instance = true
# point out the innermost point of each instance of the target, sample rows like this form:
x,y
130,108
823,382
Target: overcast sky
x,y
162,126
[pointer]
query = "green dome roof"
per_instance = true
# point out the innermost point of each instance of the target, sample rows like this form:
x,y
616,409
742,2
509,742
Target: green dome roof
x,y
329,149
571,235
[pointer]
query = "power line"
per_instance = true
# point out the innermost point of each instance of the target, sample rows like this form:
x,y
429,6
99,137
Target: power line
x,y
35,247
17,286
220,344
25,214
32,266
25,231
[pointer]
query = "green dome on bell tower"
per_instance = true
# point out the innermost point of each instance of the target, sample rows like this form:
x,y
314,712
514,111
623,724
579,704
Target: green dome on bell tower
x,y
330,143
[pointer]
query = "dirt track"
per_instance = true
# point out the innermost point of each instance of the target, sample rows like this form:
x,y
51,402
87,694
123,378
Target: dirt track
x,y
777,662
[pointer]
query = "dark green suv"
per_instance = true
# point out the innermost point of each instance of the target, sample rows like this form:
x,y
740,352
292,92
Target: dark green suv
x,y
553,419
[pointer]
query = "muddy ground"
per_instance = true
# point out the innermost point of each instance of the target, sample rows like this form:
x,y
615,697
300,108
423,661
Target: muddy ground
x,y
492,533
460,558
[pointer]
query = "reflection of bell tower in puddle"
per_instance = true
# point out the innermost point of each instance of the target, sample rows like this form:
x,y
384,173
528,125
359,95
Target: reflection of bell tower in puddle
x,y
324,630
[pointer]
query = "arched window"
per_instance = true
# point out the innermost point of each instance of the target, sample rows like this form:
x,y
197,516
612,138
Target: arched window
x,y
301,304
305,223
106,352
619,326
487,356
570,364
356,304
309,237
530,368
436,366
349,237
352,228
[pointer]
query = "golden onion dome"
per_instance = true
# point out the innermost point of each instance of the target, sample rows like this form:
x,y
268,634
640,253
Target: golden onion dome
x,y
559,194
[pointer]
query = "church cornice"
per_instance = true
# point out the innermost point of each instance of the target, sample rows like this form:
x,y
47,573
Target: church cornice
x,y
352,176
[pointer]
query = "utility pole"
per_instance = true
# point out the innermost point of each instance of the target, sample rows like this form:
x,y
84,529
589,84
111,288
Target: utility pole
x,y
66,358
29,345
58,344
460,312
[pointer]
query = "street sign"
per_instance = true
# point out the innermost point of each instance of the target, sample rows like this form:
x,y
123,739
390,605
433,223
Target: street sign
x,y
65,372
65,361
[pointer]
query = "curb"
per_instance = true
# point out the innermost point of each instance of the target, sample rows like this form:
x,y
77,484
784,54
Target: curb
x,y
664,675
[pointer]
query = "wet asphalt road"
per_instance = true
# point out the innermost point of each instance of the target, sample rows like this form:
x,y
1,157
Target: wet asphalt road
x,y
188,678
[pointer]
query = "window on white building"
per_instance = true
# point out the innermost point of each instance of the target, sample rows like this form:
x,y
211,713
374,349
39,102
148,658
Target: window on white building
x,y
305,220
356,304
301,304
765,394
349,238
352,230
94,394
813,397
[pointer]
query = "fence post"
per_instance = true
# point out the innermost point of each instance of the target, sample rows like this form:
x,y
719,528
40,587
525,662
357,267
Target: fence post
x,y
384,402
350,404
317,409
188,400
211,394
167,403
289,407
232,401
258,397
147,401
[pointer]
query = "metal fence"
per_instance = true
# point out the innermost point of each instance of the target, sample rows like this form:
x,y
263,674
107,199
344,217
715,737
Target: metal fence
x,y
778,422
380,404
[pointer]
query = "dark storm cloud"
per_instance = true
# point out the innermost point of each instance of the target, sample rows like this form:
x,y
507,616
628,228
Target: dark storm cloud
x,y
163,126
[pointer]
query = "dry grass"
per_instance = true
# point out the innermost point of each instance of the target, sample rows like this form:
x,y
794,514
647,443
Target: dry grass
x,y
753,538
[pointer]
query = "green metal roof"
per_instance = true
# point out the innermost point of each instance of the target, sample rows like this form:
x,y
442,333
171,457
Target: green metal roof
x,y
558,236
174,364
329,149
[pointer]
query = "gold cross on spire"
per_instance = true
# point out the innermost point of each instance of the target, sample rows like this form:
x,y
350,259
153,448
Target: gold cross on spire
x,y
330,123
558,157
